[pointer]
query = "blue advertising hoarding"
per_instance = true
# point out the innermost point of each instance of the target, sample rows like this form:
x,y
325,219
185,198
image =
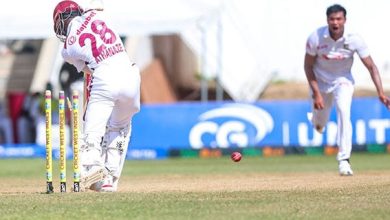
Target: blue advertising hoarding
x,y
266,123
157,129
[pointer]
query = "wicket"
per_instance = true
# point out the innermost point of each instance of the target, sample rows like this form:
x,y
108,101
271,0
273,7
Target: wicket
x,y
76,170
49,162
49,148
61,110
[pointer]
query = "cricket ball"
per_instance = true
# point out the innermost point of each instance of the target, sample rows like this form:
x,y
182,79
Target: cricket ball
x,y
236,156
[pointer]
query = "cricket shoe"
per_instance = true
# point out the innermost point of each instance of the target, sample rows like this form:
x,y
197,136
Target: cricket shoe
x,y
105,185
345,168
108,184
320,129
92,176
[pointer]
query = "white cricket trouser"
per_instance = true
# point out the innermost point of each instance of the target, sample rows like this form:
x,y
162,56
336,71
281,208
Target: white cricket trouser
x,y
113,101
341,95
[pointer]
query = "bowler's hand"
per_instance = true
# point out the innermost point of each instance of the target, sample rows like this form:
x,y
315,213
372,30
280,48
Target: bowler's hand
x,y
385,100
318,102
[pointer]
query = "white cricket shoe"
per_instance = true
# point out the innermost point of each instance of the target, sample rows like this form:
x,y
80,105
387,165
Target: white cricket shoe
x,y
108,184
105,185
345,168
93,175
320,129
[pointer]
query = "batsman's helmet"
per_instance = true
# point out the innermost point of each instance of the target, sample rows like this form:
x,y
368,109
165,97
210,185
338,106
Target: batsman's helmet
x,y
62,15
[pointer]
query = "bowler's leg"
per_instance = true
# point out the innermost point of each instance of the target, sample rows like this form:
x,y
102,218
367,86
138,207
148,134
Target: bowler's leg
x,y
321,116
343,100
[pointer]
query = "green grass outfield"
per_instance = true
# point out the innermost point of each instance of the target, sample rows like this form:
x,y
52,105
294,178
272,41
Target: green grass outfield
x,y
290,187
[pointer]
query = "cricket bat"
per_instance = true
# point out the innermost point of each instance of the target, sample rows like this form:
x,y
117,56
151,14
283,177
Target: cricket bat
x,y
86,92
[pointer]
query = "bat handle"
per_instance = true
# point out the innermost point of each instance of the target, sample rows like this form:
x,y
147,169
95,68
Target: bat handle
x,y
69,103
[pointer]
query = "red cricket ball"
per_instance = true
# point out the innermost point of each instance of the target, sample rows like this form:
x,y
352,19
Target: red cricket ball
x,y
236,156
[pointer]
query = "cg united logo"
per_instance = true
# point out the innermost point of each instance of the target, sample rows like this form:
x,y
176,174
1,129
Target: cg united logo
x,y
239,125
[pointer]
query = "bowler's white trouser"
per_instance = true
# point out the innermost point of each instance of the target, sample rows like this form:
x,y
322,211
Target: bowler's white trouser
x,y
341,95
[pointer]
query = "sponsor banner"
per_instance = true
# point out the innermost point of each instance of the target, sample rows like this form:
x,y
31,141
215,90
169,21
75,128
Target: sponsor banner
x,y
38,151
22,151
190,127
267,123
30,151
146,154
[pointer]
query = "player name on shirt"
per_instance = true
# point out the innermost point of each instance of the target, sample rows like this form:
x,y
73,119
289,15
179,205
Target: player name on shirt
x,y
108,52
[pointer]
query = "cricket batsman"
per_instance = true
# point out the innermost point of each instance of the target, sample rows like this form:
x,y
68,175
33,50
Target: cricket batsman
x,y
112,87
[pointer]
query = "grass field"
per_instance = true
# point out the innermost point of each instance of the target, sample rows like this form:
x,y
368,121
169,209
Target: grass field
x,y
290,187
